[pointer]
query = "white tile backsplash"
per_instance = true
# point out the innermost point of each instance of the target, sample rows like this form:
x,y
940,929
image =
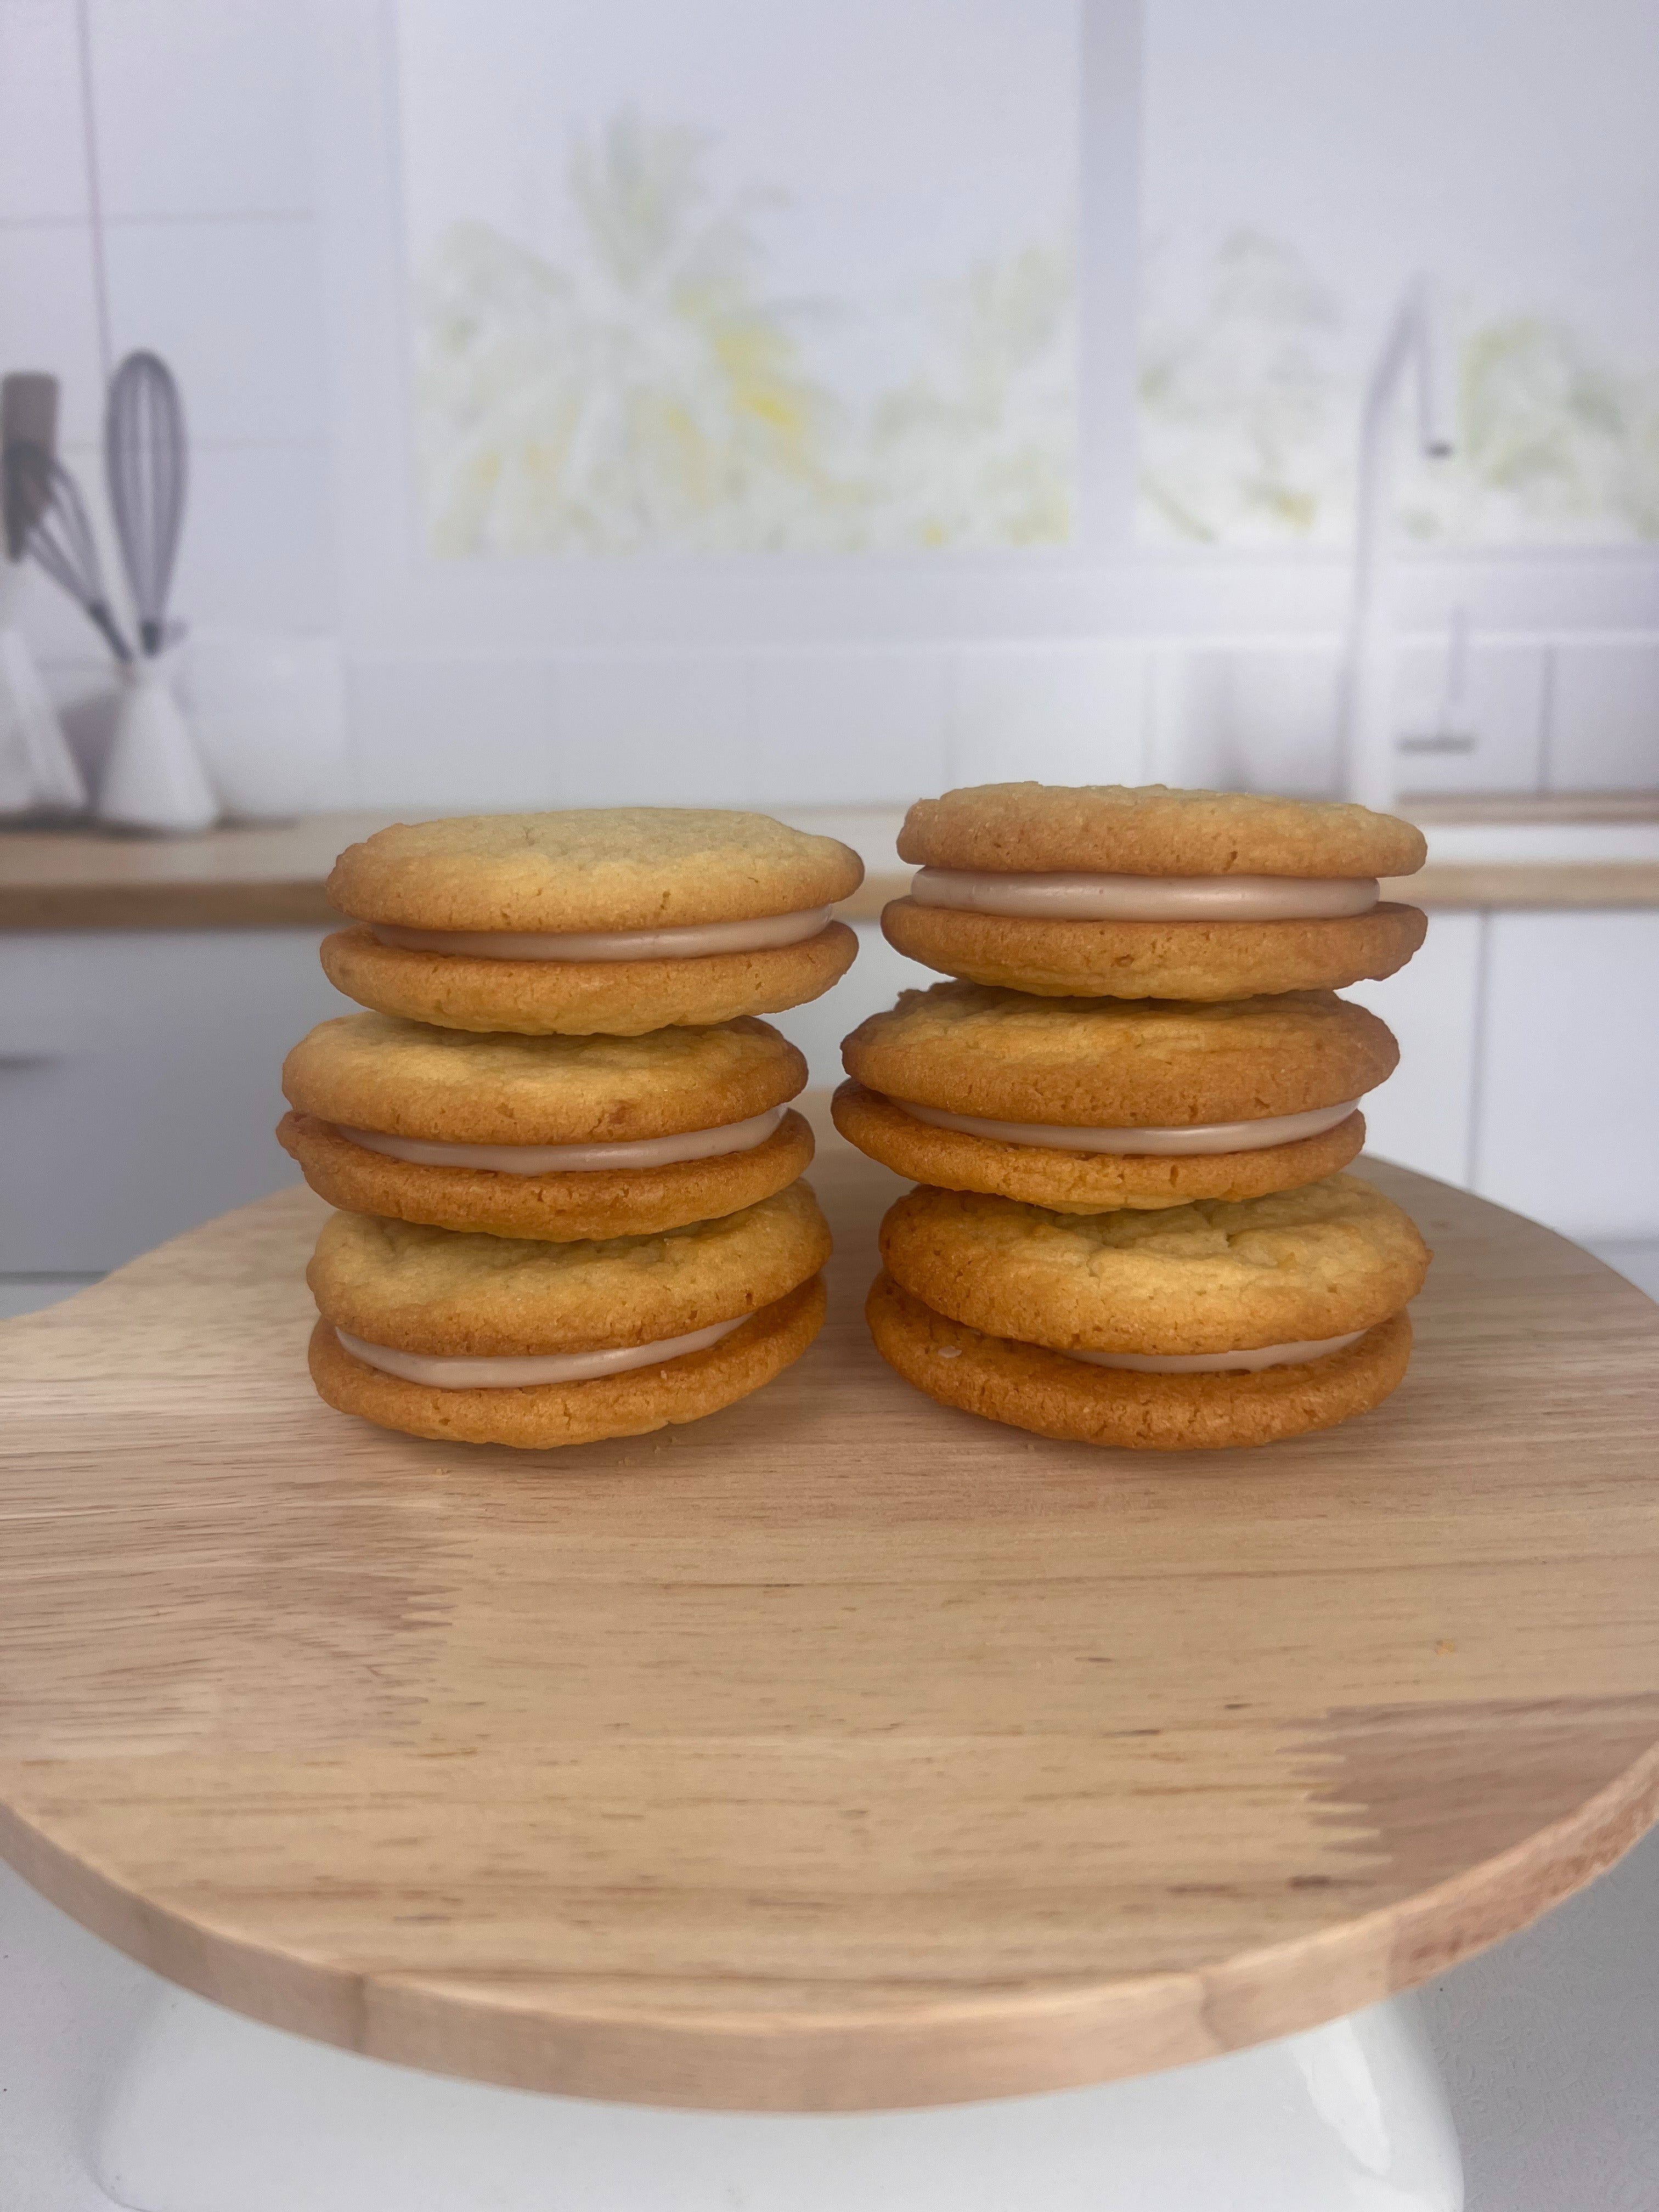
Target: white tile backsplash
x,y
235,311
49,317
1253,714
202,115
667,730
257,550
852,728
457,736
1059,713
43,155
1501,707
1604,716
201,107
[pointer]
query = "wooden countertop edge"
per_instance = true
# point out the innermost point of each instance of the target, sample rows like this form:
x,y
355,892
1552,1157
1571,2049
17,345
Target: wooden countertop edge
x,y
300,903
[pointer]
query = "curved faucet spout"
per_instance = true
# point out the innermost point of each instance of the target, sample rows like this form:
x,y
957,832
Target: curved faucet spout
x,y
1417,342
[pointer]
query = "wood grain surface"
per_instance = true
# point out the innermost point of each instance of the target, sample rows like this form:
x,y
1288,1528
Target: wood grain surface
x,y
271,876
841,1751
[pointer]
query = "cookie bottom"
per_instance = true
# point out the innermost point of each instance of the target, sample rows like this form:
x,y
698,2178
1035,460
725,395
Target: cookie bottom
x,y
1205,960
583,998
546,1415
1081,1182
1029,1387
557,1209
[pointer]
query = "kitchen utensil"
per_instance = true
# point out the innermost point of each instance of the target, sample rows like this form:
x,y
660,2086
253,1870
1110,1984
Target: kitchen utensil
x,y
28,416
44,509
146,466
154,779
38,772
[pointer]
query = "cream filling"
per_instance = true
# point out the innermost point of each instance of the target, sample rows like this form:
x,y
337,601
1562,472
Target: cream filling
x,y
575,1159
1146,898
1200,1137
694,941
514,1374
1220,1363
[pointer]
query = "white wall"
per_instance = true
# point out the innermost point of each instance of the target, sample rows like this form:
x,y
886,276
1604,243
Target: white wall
x,y
172,174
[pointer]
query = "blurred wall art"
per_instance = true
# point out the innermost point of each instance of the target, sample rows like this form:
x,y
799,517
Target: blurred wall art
x,y
741,279
1299,163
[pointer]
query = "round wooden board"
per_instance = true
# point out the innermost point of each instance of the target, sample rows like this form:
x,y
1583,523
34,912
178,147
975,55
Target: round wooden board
x,y
839,1751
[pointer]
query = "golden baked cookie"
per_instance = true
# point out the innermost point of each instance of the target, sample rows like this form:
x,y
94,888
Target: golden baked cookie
x,y
1119,1063
544,1416
558,1208
591,868
1081,1182
458,1086
1298,1267
433,1291
550,997
1029,1387
1150,830
1154,959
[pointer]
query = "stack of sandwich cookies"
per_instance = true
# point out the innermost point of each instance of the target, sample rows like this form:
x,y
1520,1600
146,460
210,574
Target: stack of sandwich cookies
x,y
489,1339
605,920
546,1137
1079,1104
561,1144
1129,1114
1133,893
1206,1326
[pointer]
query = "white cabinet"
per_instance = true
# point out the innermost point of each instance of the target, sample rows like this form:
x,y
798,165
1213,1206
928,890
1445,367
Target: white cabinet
x,y
138,1084
1567,1125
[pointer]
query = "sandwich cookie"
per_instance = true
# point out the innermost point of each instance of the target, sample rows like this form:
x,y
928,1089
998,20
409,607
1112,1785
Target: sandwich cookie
x,y
1110,890
493,1339
613,920
1210,1325
561,1138
1083,1104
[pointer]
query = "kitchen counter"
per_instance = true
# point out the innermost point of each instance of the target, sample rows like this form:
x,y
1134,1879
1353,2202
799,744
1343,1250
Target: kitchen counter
x,y
1601,852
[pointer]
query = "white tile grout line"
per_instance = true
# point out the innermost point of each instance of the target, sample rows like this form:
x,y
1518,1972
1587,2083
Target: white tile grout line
x,y
94,190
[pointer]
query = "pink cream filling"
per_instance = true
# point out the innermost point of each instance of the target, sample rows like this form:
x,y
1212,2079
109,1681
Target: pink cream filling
x,y
515,1374
575,1159
1145,898
1203,1137
694,941
1219,1363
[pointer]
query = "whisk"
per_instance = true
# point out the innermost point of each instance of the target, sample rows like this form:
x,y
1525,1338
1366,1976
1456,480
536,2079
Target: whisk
x,y
47,516
154,780
145,463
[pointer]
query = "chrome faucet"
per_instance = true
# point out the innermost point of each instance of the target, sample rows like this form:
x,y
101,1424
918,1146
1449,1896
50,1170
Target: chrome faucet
x,y
1416,344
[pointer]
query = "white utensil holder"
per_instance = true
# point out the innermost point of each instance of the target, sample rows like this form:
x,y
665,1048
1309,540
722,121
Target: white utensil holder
x,y
154,780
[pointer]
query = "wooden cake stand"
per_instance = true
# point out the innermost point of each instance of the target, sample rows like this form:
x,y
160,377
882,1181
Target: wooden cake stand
x,y
840,1752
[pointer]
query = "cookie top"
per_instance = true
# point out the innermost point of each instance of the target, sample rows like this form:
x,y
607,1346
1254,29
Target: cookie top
x,y
1119,1063
590,868
439,1290
1150,830
464,1087
1218,1275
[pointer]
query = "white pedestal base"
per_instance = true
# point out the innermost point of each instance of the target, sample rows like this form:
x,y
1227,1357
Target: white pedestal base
x,y
211,2112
